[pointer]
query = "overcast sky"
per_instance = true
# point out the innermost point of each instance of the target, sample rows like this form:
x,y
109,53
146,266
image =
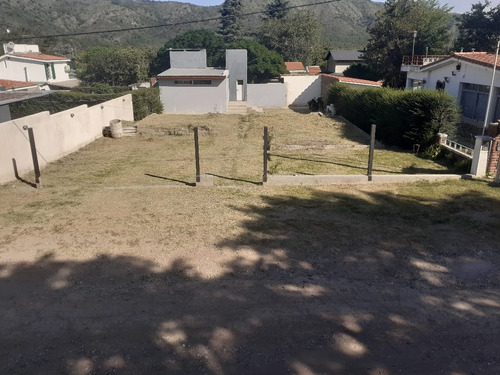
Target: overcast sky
x,y
459,6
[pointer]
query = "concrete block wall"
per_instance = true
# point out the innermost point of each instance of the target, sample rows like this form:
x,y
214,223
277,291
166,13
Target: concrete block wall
x,y
56,135
267,95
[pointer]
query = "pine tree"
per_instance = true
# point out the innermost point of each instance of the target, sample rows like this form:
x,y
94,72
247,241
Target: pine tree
x,y
278,9
231,21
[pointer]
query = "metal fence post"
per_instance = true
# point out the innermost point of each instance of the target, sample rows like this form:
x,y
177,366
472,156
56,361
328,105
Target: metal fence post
x,y
266,149
197,153
34,156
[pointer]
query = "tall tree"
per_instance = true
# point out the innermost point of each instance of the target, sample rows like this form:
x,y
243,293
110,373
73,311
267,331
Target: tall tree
x,y
392,35
231,20
479,29
296,37
213,43
116,66
277,9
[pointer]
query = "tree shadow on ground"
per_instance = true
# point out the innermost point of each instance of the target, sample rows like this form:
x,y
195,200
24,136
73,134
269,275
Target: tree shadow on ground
x,y
325,284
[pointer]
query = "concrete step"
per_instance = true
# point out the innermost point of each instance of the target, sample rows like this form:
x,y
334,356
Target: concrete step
x,y
242,108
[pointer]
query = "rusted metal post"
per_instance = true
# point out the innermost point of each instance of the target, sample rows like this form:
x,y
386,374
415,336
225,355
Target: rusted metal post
x,y
34,156
266,149
372,149
197,153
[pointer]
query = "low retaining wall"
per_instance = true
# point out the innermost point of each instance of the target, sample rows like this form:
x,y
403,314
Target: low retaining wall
x,y
277,180
56,135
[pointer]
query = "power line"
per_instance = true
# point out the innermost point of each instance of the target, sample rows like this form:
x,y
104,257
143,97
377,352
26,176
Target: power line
x,y
168,24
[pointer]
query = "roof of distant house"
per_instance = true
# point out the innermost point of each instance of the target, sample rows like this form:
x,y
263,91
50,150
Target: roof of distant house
x,y
294,66
13,85
38,56
313,69
207,73
354,80
346,55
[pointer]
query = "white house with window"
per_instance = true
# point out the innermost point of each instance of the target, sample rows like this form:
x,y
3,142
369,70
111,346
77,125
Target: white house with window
x,y
466,76
24,62
189,86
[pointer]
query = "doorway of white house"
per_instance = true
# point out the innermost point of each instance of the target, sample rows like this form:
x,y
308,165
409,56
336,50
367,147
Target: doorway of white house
x,y
239,90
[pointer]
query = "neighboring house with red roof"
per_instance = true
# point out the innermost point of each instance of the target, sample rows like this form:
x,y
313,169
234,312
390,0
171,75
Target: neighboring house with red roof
x,y
295,67
466,76
24,62
10,85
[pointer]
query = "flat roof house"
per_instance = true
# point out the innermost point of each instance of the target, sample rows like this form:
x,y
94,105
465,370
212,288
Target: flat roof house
x,y
190,87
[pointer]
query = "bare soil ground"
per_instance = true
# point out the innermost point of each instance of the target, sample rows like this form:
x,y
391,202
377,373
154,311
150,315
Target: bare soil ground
x,y
108,270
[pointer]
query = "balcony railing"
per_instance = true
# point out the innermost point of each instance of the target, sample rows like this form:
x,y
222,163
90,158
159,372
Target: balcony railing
x,y
421,60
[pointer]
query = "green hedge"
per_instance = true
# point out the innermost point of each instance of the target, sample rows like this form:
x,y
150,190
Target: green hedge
x,y
145,101
403,118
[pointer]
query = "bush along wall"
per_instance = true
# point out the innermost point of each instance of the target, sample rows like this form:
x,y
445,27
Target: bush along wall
x,y
403,118
145,101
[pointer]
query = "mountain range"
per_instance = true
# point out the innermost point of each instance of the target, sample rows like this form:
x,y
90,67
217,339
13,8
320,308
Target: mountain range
x,y
344,22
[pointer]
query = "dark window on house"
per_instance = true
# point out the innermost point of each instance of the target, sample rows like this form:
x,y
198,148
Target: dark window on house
x,y
193,82
202,82
474,100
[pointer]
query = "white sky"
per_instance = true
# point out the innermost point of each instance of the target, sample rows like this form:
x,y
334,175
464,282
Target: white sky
x,y
459,6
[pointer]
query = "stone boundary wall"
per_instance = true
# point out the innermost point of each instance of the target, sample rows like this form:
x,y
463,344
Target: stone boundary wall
x,y
56,135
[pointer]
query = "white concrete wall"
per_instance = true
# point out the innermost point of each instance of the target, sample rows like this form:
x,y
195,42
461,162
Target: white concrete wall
x,y
267,95
194,99
14,69
56,135
340,68
301,89
469,73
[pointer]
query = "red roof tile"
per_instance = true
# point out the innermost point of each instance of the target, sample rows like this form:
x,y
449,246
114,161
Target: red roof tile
x,y
294,65
9,84
314,69
39,56
354,80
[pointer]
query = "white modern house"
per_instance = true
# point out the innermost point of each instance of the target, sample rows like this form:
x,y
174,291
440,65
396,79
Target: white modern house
x,y
25,62
189,86
466,76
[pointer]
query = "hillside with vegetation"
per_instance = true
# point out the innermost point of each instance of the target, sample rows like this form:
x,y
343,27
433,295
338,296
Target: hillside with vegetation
x,y
344,22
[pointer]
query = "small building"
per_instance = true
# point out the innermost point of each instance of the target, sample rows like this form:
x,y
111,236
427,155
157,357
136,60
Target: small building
x,y
10,85
10,97
190,87
295,67
24,62
339,60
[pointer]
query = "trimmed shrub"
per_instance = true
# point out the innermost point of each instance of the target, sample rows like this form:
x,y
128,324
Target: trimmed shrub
x,y
403,118
145,101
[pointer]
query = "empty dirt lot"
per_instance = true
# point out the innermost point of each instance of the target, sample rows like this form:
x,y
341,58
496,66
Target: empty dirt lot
x,y
110,270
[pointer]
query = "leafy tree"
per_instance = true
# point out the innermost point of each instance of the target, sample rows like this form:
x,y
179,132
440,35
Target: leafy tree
x,y
277,9
263,64
213,43
391,37
231,20
115,66
361,71
479,28
296,37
